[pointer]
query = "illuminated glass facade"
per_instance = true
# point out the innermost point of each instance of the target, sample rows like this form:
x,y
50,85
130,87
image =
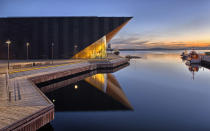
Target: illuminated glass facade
x,y
95,50
77,37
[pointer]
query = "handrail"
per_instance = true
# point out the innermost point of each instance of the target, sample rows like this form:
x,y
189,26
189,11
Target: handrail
x,y
7,86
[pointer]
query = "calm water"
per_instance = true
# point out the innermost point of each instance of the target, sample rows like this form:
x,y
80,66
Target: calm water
x,y
157,92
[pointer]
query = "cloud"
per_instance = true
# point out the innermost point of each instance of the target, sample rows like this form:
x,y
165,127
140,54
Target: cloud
x,y
127,42
136,42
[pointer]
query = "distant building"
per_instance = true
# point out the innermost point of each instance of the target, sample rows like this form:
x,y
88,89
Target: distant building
x,y
72,37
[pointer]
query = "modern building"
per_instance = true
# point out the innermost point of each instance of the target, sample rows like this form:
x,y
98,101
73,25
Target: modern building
x,y
66,37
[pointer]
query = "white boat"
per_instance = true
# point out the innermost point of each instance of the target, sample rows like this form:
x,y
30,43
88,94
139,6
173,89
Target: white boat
x,y
194,57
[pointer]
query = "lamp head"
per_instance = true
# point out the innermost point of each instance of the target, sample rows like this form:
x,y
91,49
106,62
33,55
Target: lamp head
x,y
8,42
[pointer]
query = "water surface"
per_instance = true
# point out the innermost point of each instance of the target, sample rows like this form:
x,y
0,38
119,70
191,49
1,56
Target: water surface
x,y
157,92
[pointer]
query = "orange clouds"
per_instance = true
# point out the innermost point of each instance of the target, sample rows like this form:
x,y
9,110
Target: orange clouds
x,y
143,44
183,44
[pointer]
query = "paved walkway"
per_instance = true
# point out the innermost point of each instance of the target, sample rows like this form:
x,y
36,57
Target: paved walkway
x,y
21,64
48,70
42,67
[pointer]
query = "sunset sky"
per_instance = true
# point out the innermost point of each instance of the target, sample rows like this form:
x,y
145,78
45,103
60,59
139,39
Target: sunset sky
x,y
156,23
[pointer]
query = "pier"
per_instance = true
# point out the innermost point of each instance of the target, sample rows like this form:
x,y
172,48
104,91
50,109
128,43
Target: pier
x,y
24,106
205,61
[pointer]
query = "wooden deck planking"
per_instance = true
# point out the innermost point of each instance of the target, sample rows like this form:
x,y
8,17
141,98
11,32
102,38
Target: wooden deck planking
x,y
27,102
25,98
10,115
27,94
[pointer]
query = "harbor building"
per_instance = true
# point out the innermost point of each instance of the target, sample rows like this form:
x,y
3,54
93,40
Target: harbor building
x,y
60,37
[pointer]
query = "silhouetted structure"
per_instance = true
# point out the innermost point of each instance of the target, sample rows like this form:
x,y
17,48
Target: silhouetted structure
x,y
70,35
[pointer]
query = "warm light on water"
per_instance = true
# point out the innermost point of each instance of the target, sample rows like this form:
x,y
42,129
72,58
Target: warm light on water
x,y
161,90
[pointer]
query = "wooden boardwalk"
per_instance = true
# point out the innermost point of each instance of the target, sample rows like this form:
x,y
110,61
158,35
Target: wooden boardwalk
x,y
24,101
23,106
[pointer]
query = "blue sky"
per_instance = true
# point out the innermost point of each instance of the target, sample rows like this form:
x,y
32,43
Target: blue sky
x,y
156,23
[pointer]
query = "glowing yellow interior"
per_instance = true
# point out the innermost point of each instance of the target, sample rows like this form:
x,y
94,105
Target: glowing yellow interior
x,y
95,50
97,81
108,84
98,48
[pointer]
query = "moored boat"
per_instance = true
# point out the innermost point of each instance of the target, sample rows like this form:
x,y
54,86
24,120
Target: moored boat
x,y
194,57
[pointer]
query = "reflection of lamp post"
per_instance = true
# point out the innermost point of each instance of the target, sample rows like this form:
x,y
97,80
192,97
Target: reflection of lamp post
x,y
52,52
8,43
27,45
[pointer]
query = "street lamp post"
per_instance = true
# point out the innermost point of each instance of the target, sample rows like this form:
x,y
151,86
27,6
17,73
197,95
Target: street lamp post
x,y
27,45
8,42
52,52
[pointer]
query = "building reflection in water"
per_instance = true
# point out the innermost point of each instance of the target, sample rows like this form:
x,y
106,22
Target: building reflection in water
x,y
93,93
108,84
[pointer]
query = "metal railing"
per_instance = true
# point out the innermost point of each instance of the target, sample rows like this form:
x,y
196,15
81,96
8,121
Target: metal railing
x,y
7,86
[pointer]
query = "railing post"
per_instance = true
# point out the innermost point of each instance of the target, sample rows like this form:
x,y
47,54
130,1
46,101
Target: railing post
x,y
7,86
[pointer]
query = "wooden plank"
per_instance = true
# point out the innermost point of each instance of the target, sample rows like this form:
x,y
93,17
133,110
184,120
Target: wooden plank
x,y
27,108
